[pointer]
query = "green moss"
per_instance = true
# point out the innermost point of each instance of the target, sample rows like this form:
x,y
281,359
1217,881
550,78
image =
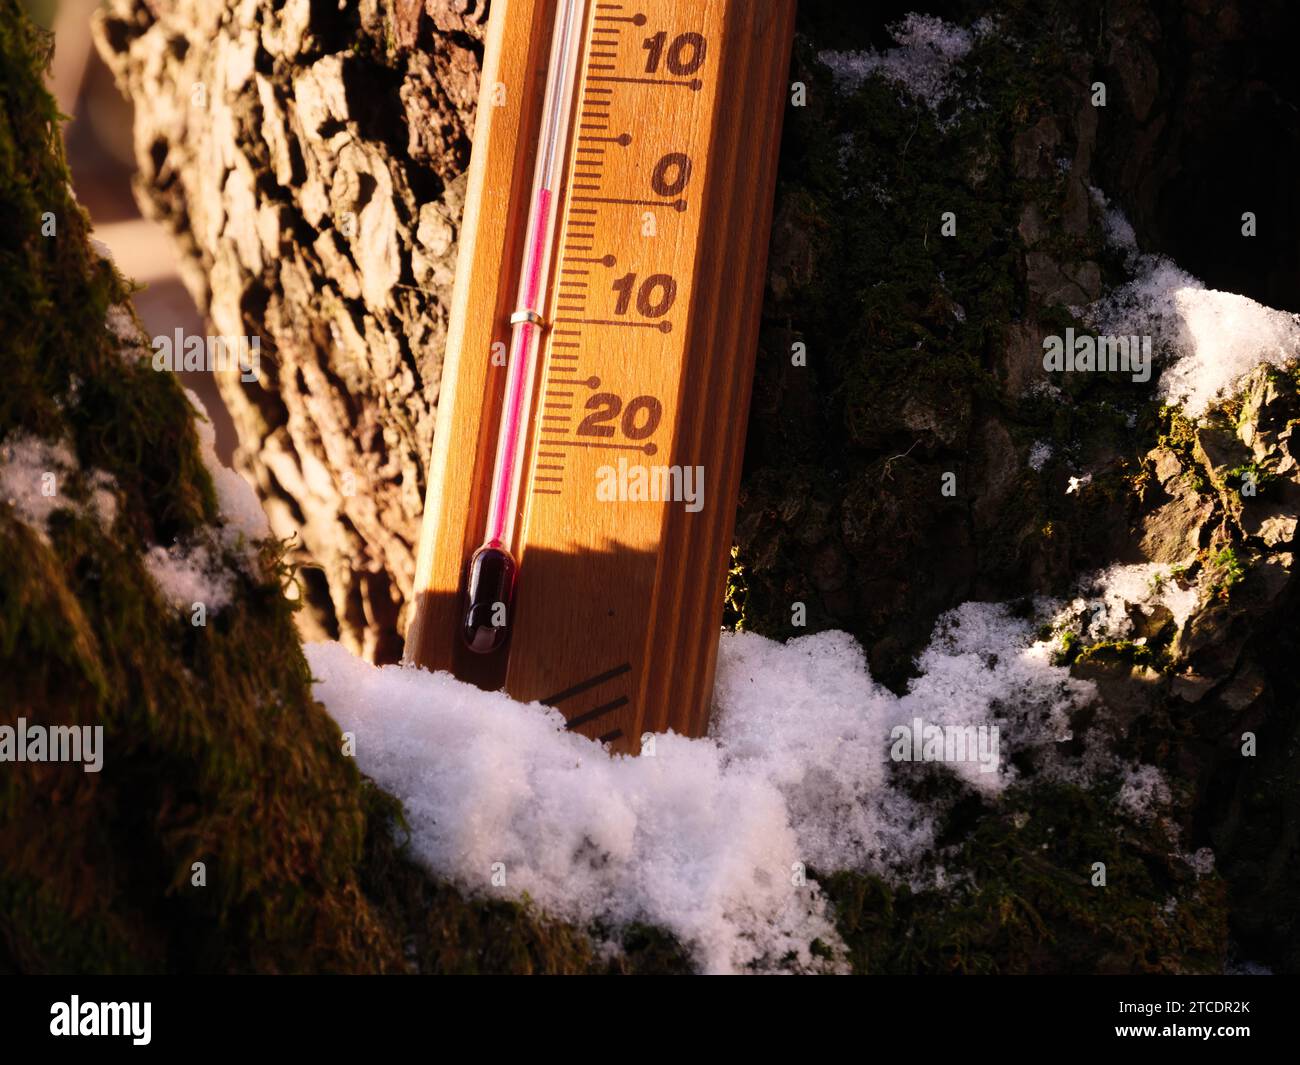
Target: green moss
x,y
1261,475
1070,646
736,594
1126,651
1229,570
1151,655
1177,433
1023,898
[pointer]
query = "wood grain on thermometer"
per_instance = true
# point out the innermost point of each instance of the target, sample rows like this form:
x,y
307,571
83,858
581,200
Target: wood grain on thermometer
x,y
600,354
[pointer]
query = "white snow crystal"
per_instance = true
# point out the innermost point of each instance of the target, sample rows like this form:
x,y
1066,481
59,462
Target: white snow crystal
x,y
240,508
684,839
1206,340
1039,453
27,464
190,574
924,64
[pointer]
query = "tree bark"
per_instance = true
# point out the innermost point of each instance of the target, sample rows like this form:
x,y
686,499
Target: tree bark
x,y
308,158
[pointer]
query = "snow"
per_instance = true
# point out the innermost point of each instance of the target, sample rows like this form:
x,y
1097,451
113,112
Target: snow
x,y
188,574
706,837
1207,340
924,64
1144,791
122,325
1100,611
1116,228
807,717
195,571
240,508
1039,454
185,573
25,460
985,666
687,839
103,498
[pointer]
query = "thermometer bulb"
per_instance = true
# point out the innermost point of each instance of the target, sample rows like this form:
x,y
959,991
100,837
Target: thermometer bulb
x,y
491,585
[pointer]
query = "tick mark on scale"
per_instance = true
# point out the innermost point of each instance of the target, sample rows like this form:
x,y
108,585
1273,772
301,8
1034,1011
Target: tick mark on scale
x,y
554,441
695,85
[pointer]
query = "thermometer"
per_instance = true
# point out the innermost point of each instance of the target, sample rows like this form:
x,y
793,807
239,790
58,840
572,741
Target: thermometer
x,y
600,353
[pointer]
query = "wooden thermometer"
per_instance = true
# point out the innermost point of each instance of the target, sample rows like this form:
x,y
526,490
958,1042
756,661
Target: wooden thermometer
x,y
600,354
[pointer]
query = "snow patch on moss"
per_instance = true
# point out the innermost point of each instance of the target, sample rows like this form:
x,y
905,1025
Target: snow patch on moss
x,y
925,65
191,574
241,510
1103,608
1205,340
197,571
707,837
35,476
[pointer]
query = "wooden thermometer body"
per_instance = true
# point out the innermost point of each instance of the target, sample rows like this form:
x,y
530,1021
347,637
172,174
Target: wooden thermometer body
x,y
642,389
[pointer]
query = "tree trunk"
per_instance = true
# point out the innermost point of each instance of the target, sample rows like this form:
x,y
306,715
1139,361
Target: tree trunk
x,y
308,159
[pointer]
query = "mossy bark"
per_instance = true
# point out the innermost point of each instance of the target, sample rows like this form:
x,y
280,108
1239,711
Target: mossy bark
x,y
214,752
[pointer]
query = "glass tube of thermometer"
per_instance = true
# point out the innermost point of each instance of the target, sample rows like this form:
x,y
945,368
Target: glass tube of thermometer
x,y
492,568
